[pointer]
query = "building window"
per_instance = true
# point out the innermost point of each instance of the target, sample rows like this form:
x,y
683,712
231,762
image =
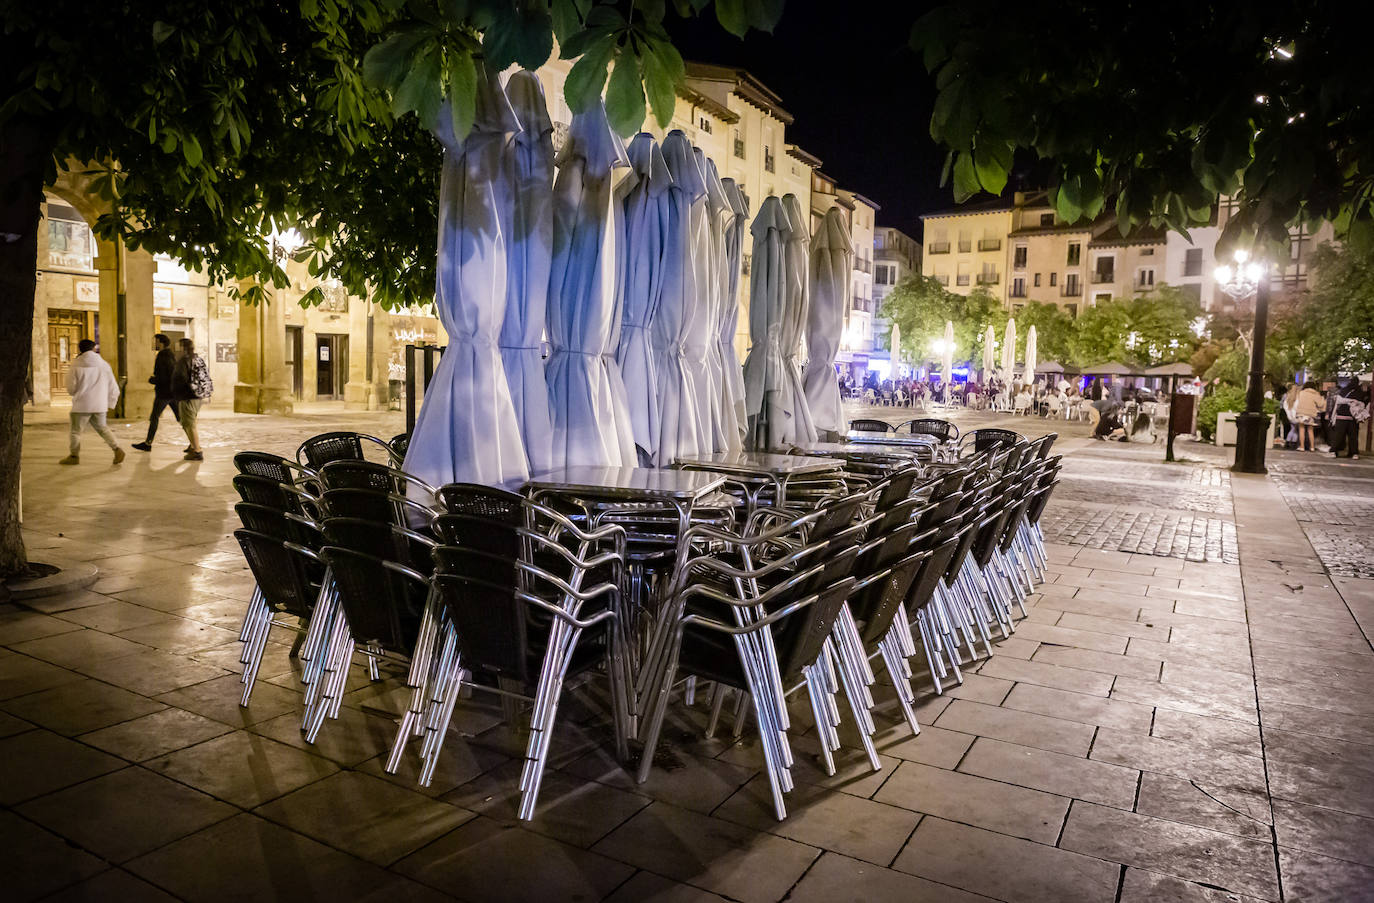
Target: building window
x,y
744,264
989,275
965,243
990,244
1046,220
1104,270
1018,257
1071,289
962,277
1036,283
1018,287
1074,249
71,244
1054,277
1145,278
942,278
768,163
739,145
1147,252
1192,262
1101,297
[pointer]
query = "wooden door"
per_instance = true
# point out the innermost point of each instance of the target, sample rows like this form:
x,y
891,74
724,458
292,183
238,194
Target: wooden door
x,y
65,329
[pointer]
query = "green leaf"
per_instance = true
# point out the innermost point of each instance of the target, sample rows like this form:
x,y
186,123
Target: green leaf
x,y
384,66
965,177
566,21
733,17
162,31
992,162
578,42
191,149
763,14
670,59
625,95
652,10
524,35
1069,211
420,90
588,76
661,89
462,93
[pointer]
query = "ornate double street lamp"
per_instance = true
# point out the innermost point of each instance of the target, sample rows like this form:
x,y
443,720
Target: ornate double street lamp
x,y
1244,278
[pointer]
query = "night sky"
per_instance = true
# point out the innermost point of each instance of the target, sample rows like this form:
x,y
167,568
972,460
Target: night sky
x,y
861,98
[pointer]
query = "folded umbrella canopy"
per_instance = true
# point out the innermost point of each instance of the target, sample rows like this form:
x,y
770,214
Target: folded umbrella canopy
x,y
802,430
717,211
1009,352
832,260
641,286
947,361
733,385
528,258
591,421
467,429
685,165
1030,356
765,379
680,425
989,340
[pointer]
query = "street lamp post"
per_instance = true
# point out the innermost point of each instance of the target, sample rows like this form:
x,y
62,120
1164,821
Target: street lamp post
x,y
1252,426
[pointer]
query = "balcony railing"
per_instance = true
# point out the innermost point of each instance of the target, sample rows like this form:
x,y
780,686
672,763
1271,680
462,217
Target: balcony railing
x,y
1018,264
939,247
1071,290
1103,278
989,278
739,148
943,279
863,264
862,304
990,244
961,280
965,247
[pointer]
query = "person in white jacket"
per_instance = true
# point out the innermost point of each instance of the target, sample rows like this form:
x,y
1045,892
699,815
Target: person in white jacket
x,y
94,390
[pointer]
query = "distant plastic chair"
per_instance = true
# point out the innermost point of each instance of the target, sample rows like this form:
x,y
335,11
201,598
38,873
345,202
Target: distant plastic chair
x,y
866,425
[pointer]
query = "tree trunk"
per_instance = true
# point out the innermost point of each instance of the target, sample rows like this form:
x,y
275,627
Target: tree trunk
x,y
23,158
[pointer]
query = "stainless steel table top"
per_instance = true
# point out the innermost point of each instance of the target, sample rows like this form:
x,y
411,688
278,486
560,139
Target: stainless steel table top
x,y
761,463
873,437
627,483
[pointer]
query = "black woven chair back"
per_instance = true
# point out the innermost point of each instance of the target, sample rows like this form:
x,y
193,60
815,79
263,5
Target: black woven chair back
x,y
274,494
933,568
275,523
351,474
897,487
836,516
866,425
400,444
990,437
263,464
799,639
1044,444
1039,499
383,606
378,538
488,535
482,501
932,426
970,518
369,504
318,451
940,513
892,592
288,578
478,594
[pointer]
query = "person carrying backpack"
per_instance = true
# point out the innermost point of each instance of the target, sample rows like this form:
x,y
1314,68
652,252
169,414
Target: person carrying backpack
x,y
191,388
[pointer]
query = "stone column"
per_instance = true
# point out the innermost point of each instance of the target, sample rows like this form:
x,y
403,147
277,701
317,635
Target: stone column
x,y
126,322
264,385
358,392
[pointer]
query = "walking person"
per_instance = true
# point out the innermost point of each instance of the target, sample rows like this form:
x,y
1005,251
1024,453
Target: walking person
x,y
1346,408
1308,410
191,387
162,389
94,390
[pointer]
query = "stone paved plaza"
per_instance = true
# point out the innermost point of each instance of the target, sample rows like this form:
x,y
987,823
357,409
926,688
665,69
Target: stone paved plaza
x,y
1185,715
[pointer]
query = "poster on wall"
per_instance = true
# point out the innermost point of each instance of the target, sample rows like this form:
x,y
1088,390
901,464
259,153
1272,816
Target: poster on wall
x,y
226,352
87,291
162,297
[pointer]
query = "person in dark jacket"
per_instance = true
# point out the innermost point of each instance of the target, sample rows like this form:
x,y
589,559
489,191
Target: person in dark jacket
x,y
191,388
1343,406
162,389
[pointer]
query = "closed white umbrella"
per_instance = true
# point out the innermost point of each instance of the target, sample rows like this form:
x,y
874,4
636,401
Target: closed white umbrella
x,y
894,349
764,369
1009,351
947,362
802,430
832,261
528,258
698,329
646,225
680,430
705,346
989,340
733,385
1030,356
467,429
591,424
724,418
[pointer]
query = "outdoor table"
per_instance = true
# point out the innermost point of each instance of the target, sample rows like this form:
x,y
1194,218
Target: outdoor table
x,y
777,469
880,458
906,440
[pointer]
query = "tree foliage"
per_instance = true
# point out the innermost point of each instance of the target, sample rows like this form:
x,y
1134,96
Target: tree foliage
x,y
1152,111
1144,331
920,306
1339,311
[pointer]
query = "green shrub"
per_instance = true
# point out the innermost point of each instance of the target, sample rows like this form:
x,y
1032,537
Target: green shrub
x,y
1225,398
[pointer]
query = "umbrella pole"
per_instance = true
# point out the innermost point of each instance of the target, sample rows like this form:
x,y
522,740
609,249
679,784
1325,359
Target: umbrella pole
x,y
1169,445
